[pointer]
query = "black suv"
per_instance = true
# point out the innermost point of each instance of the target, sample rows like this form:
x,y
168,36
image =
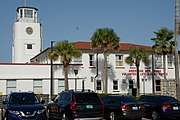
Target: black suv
x,y
23,106
70,105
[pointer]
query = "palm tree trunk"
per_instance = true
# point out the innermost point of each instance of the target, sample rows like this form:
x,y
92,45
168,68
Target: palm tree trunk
x,y
164,66
66,78
105,72
138,85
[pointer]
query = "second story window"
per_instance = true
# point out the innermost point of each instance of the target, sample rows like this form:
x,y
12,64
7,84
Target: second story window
x,y
158,61
119,60
91,60
170,60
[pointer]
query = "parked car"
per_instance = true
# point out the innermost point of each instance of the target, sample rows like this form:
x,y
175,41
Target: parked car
x,y
23,106
122,107
69,105
161,107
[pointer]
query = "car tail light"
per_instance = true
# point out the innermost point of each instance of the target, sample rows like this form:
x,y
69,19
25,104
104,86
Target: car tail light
x,y
101,102
125,107
164,107
73,105
142,107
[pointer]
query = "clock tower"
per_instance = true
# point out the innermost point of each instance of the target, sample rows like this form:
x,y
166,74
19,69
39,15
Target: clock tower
x,y
27,35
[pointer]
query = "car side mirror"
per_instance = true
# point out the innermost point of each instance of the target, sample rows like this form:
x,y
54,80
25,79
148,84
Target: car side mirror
x,y
53,99
42,101
4,102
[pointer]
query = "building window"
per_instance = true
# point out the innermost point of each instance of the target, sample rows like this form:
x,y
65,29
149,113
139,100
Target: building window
x,y
170,60
158,85
21,13
115,85
119,60
91,60
61,86
77,60
10,86
98,85
158,61
131,84
37,86
29,46
28,13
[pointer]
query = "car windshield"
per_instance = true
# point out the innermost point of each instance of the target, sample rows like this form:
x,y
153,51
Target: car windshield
x,y
87,98
126,99
23,99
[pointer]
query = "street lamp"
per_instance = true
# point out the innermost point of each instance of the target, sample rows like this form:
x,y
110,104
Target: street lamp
x,y
75,72
51,92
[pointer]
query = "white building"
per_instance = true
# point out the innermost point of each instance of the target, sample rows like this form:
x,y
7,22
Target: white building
x,y
31,69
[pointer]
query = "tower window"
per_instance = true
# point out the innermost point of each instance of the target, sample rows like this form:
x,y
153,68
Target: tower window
x,y
21,13
29,46
28,13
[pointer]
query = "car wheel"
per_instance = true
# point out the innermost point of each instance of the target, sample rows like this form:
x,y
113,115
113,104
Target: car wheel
x,y
155,116
138,119
48,114
5,118
112,116
64,117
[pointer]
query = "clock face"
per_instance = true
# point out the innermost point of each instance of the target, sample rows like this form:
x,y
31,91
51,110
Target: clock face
x,y
29,30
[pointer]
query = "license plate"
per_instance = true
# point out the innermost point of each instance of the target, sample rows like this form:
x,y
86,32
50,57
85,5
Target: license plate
x,y
135,108
89,106
175,108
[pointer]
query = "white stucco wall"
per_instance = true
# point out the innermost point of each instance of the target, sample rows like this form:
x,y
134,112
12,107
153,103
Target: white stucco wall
x,y
24,74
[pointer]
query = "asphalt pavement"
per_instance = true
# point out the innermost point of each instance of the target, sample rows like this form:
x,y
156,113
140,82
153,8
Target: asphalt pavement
x,y
142,119
146,119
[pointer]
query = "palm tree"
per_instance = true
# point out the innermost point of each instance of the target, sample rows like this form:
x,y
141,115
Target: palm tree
x,y
135,57
65,51
163,44
105,38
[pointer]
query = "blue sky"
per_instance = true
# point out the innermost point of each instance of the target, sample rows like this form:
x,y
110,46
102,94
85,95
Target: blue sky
x,y
76,20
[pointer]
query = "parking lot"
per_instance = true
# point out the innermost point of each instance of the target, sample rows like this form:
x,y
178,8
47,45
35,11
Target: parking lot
x,y
142,119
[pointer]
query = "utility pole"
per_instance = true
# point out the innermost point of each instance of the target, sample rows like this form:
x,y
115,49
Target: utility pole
x,y
176,31
52,87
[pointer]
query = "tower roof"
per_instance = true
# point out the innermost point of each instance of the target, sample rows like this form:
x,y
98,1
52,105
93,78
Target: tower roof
x,y
27,7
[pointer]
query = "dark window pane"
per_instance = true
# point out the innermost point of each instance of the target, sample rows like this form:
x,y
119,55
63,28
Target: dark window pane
x,y
29,46
87,98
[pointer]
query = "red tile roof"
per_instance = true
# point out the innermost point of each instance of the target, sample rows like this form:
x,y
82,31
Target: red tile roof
x,y
123,46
